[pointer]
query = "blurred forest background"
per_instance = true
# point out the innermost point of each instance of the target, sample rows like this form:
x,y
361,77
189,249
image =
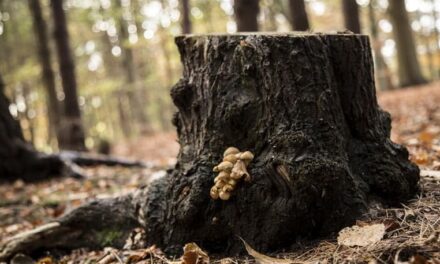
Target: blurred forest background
x,y
107,66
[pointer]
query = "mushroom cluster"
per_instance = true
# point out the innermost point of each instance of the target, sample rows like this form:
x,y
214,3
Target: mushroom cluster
x,y
230,171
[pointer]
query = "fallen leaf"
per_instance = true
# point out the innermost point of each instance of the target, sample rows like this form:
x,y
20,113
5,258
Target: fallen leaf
x,y
430,173
390,225
193,254
46,260
264,259
361,236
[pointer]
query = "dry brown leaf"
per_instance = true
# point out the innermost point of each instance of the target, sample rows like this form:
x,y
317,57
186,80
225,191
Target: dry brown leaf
x,y
193,254
264,259
45,260
361,236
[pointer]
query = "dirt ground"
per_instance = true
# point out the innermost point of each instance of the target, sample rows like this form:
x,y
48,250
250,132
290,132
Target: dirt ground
x,y
412,234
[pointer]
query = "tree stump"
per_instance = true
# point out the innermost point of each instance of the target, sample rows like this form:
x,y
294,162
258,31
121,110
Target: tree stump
x,y
305,105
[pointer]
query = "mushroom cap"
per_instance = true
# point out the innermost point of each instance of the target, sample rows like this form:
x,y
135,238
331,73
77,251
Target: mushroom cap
x,y
214,193
223,175
220,184
232,182
224,195
235,176
230,150
247,155
225,166
228,188
231,158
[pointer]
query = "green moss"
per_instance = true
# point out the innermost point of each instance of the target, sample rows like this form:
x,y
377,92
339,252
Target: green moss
x,y
107,237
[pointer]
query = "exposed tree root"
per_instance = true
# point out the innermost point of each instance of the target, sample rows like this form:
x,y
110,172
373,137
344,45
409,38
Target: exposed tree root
x,y
96,224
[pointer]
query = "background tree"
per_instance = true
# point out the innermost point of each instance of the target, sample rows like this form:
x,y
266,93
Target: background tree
x,y
351,16
186,21
48,75
298,13
383,74
408,65
246,15
72,131
128,65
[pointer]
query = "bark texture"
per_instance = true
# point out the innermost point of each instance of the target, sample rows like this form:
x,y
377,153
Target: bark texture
x,y
305,105
298,13
408,65
72,130
351,16
246,15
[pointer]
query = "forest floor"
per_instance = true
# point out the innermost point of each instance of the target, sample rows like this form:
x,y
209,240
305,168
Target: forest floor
x,y
411,231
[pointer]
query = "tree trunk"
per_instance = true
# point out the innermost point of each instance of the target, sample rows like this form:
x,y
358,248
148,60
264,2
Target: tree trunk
x,y
53,106
18,160
383,74
186,21
72,130
128,65
298,13
408,65
351,16
309,114
246,15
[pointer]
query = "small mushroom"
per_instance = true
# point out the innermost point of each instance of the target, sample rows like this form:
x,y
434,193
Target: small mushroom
x,y
235,175
231,158
247,157
240,168
228,188
223,175
232,182
220,184
224,195
214,193
225,166
215,169
230,150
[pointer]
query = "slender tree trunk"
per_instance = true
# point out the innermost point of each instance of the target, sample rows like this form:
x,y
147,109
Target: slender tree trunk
x,y
128,65
408,65
298,13
437,43
306,111
72,130
53,105
186,21
246,15
351,16
383,74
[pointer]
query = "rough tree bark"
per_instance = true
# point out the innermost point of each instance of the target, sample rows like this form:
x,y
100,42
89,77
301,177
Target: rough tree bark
x,y
44,54
72,130
305,105
351,15
246,15
298,13
408,65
